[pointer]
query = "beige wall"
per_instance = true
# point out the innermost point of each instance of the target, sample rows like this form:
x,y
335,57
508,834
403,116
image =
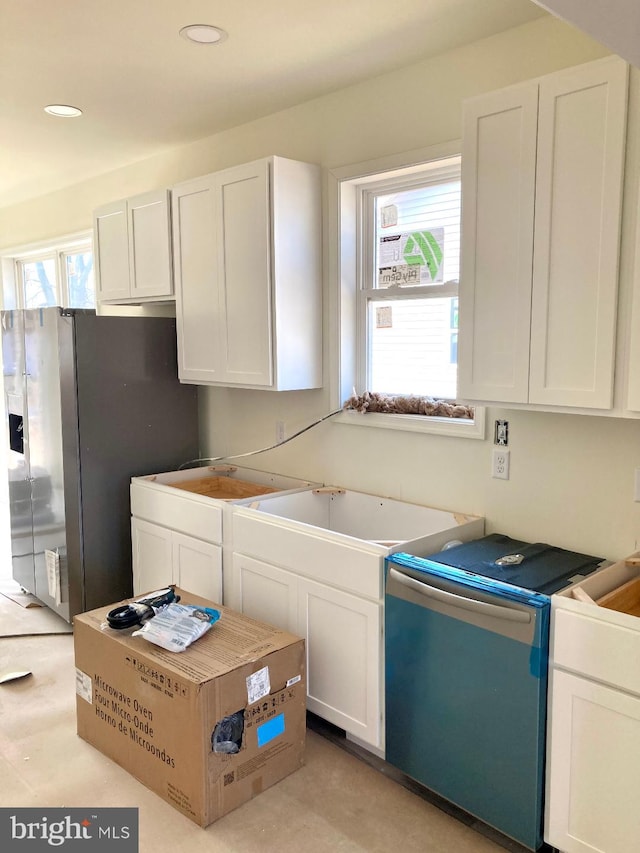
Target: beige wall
x,y
411,108
571,476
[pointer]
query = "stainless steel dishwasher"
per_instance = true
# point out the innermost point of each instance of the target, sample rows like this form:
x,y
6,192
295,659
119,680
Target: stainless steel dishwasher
x,y
466,681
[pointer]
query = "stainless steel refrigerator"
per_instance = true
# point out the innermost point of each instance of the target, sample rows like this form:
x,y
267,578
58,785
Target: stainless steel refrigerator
x,y
90,401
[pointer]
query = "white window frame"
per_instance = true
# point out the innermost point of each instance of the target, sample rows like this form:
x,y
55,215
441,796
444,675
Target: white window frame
x,y
13,295
345,264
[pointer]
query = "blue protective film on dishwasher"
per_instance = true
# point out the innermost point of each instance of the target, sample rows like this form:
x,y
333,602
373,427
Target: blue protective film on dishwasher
x,y
471,580
539,658
270,730
538,661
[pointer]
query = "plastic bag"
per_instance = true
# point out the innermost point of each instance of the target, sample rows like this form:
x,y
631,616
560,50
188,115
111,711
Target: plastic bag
x,y
178,625
227,735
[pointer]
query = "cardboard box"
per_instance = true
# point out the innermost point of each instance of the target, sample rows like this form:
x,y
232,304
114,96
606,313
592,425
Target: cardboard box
x,y
158,713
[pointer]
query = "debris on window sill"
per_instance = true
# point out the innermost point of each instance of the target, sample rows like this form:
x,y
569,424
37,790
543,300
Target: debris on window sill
x,y
397,404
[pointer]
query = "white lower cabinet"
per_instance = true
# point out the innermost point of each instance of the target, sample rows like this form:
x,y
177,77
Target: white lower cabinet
x,y
265,592
152,556
595,771
162,556
179,524
343,641
197,566
593,735
344,648
312,562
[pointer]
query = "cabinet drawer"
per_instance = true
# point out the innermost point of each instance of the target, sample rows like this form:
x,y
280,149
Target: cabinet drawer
x,y
199,517
598,648
326,557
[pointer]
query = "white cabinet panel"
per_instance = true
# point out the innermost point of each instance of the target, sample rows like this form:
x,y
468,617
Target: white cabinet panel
x,y
111,250
151,276
343,635
162,557
542,174
132,248
247,256
243,221
594,772
343,641
633,361
197,281
152,556
597,648
499,163
321,555
265,592
577,227
197,566
176,509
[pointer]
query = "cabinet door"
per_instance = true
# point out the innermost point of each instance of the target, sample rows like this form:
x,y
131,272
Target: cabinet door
x,y
197,566
149,245
152,556
111,248
198,302
581,138
633,357
593,773
498,184
244,268
296,285
265,592
344,658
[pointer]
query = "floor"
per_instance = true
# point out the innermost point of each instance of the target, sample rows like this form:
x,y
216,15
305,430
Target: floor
x,y
342,801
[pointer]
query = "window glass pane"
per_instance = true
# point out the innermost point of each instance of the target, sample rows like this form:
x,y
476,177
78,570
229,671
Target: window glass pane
x,y
80,279
39,279
418,236
413,346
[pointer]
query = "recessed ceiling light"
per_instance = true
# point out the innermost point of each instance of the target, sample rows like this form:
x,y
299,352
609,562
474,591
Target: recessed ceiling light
x,y
203,34
63,111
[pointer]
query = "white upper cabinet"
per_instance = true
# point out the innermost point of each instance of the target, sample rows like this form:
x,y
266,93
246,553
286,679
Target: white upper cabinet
x,y
632,378
498,192
111,251
132,247
247,255
542,178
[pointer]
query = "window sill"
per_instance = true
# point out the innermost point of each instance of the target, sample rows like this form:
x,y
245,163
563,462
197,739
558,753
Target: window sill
x,y
455,427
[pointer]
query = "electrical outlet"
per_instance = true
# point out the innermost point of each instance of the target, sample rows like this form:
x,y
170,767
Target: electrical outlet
x,y
500,463
279,431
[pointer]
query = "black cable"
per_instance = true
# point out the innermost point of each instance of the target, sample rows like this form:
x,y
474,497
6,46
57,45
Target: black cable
x,y
137,612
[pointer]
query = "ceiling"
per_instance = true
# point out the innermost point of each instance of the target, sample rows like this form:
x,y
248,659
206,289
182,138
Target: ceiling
x,y
144,89
614,23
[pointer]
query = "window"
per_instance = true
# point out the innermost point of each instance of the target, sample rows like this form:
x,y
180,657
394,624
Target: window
x,y
410,237
57,274
397,235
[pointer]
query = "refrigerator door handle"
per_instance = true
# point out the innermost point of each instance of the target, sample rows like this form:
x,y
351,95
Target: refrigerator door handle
x,y
450,598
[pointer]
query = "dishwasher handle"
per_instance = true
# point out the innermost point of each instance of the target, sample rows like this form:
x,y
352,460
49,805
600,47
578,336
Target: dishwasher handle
x,y
454,600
